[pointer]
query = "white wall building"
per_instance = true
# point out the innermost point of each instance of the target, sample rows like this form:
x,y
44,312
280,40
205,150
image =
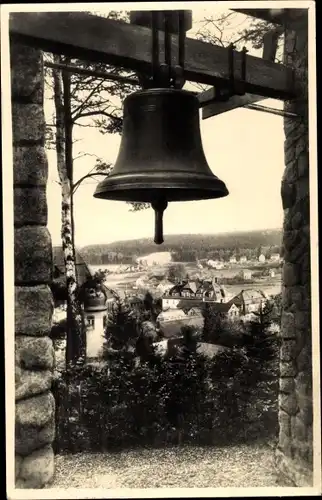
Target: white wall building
x,y
170,302
246,274
233,312
171,315
97,304
95,326
262,258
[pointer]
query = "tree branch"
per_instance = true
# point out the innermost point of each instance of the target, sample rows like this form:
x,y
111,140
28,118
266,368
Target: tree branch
x,y
99,112
81,155
79,109
87,176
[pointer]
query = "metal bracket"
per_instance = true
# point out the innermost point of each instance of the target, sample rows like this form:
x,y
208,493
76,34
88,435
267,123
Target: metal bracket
x,y
237,87
170,22
224,92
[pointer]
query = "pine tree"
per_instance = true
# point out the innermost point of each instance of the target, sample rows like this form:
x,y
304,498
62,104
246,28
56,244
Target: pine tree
x,y
259,379
189,343
261,348
261,344
214,325
122,329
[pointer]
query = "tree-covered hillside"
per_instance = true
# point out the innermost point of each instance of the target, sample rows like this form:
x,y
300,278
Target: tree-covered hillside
x,y
188,247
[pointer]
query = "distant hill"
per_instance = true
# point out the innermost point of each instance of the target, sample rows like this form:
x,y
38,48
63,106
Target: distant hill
x,y
187,247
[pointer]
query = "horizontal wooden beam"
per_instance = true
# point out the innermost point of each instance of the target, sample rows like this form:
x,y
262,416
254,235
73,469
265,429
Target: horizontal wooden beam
x,y
283,17
207,98
93,38
217,108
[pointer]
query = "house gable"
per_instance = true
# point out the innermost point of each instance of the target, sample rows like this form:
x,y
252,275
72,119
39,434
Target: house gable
x,y
82,269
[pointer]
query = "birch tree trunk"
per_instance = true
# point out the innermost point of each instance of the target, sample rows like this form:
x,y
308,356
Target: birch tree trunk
x,y
76,337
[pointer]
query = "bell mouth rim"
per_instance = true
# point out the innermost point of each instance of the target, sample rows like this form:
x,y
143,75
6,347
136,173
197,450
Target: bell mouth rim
x,y
143,193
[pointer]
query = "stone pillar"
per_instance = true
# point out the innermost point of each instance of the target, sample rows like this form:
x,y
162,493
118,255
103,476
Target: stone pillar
x,y
34,353
294,455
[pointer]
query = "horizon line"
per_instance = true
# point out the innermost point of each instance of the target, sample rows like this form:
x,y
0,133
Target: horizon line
x,y
175,234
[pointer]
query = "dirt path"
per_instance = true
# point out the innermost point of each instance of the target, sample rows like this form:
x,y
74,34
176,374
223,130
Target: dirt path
x,y
186,467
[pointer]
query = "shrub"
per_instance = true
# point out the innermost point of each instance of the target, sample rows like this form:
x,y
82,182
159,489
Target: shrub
x,y
121,403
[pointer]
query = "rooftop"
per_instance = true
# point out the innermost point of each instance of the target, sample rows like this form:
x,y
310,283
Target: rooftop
x,y
82,269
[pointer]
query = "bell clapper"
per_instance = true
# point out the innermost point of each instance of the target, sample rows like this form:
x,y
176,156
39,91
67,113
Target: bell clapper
x,y
159,207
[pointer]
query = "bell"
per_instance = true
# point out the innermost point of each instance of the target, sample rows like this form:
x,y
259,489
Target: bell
x,y
161,158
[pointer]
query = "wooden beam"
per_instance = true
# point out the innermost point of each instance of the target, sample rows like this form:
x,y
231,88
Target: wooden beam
x,y
93,38
207,99
283,17
217,108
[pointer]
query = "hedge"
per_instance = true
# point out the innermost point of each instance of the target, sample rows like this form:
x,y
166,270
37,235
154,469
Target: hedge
x,y
190,399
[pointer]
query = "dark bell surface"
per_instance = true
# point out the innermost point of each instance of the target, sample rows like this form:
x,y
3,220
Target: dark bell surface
x,y
161,153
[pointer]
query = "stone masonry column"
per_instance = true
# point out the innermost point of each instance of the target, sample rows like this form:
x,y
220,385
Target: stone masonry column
x,y
34,354
294,455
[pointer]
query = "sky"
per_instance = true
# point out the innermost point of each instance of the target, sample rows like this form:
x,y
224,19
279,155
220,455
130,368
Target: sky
x,y
244,148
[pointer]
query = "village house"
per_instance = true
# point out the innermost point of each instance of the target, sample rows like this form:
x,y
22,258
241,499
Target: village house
x,y
171,315
194,291
243,259
58,286
191,289
164,347
95,311
272,273
262,258
189,311
275,257
228,309
187,304
232,259
195,311
246,274
96,302
248,301
215,264
164,286
170,322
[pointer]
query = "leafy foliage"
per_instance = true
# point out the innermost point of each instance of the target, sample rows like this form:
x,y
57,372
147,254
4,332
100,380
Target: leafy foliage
x,y
230,28
183,397
122,326
177,272
220,330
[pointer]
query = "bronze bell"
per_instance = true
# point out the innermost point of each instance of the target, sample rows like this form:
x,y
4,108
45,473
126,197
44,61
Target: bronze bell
x,y
161,158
